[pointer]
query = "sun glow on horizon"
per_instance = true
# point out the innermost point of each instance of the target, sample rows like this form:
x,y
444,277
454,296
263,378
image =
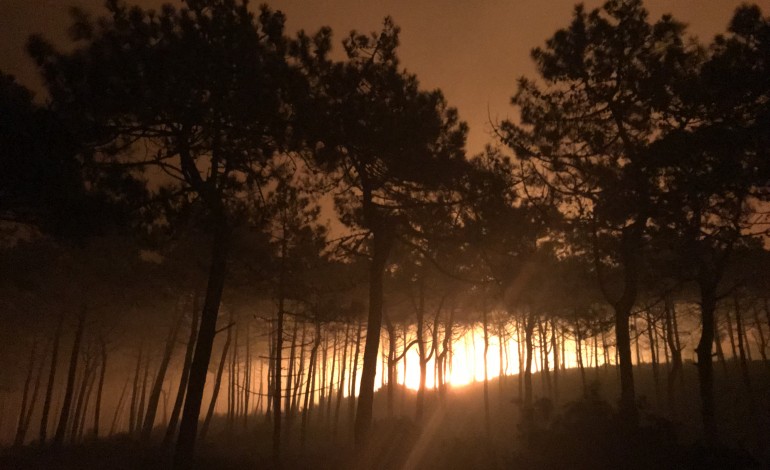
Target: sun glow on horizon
x,y
465,365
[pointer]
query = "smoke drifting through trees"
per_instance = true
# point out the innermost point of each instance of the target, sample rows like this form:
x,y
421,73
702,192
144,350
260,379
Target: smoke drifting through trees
x,y
618,225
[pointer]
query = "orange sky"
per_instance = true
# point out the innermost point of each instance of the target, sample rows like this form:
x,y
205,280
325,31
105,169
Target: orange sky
x,y
473,50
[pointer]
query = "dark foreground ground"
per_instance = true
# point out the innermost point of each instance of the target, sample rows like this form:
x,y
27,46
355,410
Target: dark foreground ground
x,y
576,431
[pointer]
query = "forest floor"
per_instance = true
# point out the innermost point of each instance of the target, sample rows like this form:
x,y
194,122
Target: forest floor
x,y
578,430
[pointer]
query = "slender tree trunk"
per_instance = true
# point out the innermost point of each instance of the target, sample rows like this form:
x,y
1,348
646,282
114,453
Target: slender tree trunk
x,y
653,353
731,336
160,378
705,369
556,358
445,352
247,380
135,394
21,426
80,399
51,378
143,397
487,419
563,349
61,429
741,345
520,349
217,385
309,387
421,350
762,346
278,361
179,401
501,358
579,354
270,372
354,375
231,377
98,407
718,346
188,428
89,392
118,408
405,328
290,378
381,248
627,392
330,396
676,353
324,367
544,346
341,386
529,328
391,371
35,390
300,373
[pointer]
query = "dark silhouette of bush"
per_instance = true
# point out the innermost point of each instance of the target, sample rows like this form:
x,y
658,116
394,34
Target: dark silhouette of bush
x,y
590,434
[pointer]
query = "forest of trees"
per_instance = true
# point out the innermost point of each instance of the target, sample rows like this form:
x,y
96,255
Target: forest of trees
x,y
214,230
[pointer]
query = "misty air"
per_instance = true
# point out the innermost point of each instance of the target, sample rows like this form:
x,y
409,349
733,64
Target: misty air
x,y
384,235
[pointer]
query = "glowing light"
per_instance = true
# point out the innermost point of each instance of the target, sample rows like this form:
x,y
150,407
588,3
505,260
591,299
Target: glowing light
x,y
466,364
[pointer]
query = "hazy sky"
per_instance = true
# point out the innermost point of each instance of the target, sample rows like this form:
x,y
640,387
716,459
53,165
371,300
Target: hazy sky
x,y
473,50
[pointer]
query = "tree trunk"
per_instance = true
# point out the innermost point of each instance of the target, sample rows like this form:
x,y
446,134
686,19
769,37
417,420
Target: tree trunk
x,y
176,410
354,375
324,366
445,352
132,414
51,377
35,390
118,408
487,419
718,345
676,353
741,345
247,380
391,371
529,328
330,396
152,402
341,385
80,398
381,248
143,397
300,373
217,385
232,376
278,362
290,378
21,426
422,353
627,392
731,335
556,358
89,390
653,353
520,349
188,428
98,407
69,390
544,346
579,354
705,369
501,358
762,341
309,387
